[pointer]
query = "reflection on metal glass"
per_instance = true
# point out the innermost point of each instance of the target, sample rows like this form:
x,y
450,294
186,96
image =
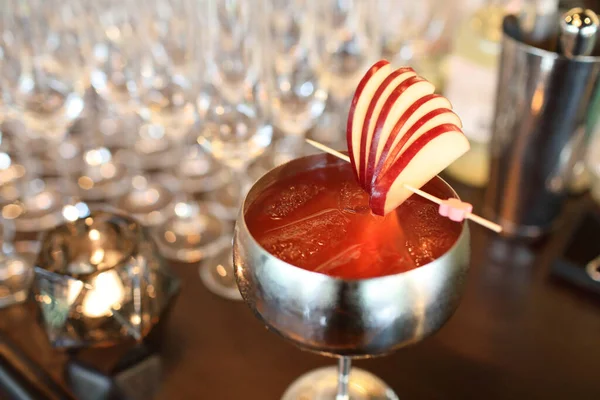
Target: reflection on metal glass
x,y
593,269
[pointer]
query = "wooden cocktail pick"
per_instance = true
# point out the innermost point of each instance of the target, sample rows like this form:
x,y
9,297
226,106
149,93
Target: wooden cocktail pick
x,y
454,209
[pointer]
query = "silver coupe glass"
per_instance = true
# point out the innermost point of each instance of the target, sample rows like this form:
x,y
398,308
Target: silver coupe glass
x,y
341,318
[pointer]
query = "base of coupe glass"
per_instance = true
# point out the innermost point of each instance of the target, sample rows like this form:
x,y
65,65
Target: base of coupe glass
x,y
217,276
193,231
321,384
42,211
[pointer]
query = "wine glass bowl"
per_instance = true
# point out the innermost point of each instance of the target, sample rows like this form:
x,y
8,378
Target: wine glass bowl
x,y
234,64
52,50
348,41
298,96
116,54
167,67
420,38
234,135
337,317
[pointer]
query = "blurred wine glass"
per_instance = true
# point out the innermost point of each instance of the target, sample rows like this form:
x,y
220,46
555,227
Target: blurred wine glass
x,y
121,52
297,96
33,203
44,48
416,38
199,173
167,64
101,175
170,61
233,106
51,50
11,171
116,29
348,44
114,67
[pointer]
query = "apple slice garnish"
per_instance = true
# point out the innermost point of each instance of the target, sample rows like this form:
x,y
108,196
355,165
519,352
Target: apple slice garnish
x,y
418,109
365,90
400,135
391,82
401,100
427,122
427,156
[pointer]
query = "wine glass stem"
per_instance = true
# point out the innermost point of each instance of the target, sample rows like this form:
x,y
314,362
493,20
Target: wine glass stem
x,y
181,196
8,236
344,365
66,176
28,186
242,182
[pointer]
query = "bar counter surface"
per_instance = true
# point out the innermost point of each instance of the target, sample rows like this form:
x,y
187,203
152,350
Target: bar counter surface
x,y
519,333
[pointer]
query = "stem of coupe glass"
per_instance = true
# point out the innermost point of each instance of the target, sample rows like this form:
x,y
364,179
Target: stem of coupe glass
x,y
344,365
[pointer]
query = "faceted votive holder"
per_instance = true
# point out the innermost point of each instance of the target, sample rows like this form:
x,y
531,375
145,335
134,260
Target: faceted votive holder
x,y
100,281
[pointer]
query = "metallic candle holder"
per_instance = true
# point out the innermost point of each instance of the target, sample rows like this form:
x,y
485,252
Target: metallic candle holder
x,y
100,280
344,318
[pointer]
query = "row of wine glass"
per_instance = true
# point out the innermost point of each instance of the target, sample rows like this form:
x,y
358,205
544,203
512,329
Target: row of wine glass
x,y
120,100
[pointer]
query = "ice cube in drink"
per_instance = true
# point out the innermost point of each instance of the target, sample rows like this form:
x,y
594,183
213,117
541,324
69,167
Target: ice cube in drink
x,y
320,220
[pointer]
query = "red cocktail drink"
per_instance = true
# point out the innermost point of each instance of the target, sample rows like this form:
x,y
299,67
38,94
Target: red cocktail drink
x,y
320,220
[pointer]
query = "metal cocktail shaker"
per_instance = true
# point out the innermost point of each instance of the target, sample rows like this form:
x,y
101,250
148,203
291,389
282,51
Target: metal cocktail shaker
x,y
545,111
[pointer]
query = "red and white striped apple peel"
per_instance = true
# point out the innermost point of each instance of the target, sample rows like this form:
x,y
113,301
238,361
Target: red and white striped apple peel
x,y
452,208
358,110
395,80
398,106
402,125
